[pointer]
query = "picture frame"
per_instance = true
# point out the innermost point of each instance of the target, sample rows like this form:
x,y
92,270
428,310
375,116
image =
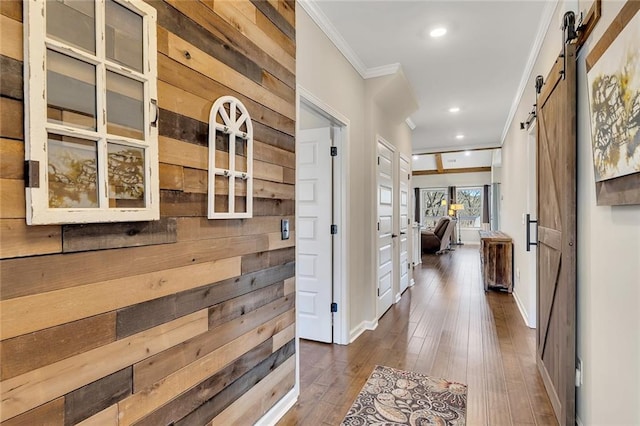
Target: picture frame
x,y
613,74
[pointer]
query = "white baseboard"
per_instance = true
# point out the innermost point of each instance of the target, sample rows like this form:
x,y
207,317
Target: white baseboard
x,y
361,328
280,409
412,282
523,311
398,297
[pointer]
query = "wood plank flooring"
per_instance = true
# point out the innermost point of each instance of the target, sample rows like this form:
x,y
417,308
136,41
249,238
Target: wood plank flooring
x,y
445,326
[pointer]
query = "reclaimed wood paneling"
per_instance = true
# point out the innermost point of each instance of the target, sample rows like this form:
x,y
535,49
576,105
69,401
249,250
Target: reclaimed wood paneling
x,y
97,396
34,350
101,236
188,313
49,414
34,388
17,239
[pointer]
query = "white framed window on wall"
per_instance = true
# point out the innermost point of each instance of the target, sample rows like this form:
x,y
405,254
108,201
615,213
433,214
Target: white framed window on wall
x,y
434,205
91,139
230,160
470,217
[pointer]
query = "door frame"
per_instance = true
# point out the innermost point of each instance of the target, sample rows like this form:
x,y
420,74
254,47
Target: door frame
x,y
409,230
340,129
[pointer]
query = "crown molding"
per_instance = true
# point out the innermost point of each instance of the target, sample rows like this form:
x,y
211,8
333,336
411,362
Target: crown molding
x,y
322,21
543,28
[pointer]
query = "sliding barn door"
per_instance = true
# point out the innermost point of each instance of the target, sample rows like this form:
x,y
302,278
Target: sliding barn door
x,y
556,158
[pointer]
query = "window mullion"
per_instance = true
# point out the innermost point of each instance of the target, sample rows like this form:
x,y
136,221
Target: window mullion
x,y
101,100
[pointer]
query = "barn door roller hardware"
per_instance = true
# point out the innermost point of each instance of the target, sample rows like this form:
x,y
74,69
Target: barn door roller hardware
x,y
568,35
532,116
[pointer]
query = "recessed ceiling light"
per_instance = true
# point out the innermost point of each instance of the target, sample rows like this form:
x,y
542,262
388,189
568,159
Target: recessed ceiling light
x,y
467,153
460,136
438,32
454,109
415,157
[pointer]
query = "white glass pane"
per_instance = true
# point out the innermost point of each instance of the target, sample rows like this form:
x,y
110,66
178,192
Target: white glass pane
x,y
125,106
241,196
124,35
222,150
71,91
241,155
126,176
222,192
72,22
72,172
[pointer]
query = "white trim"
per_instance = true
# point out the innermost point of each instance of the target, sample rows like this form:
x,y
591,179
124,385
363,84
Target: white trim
x,y
412,283
382,71
278,411
398,297
361,328
325,25
522,310
545,23
341,198
410,123
578,421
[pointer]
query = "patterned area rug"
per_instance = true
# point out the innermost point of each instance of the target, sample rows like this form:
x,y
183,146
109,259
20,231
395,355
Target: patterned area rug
x,y
398,397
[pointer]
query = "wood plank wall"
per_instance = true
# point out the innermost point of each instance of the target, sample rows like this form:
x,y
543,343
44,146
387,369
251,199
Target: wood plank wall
x,y
179,321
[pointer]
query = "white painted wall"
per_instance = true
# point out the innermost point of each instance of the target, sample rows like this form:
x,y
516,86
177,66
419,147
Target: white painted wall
x,y
323,71
608,254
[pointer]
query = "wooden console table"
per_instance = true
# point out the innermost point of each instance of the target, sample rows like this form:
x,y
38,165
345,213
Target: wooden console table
x,y
496,260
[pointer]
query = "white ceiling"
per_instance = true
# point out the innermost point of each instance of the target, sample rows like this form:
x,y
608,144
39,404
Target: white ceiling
x,y
478,65
455,160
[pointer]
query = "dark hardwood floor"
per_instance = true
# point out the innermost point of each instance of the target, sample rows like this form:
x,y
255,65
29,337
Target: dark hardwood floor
x,y
444,326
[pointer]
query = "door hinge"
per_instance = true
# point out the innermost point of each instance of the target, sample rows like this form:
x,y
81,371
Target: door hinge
x,y
378,226
334,307
378,291
334,229
334,151
408,176
32,174
409,266
378,160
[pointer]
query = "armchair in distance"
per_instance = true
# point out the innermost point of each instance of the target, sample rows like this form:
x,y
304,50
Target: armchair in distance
x,y
438,240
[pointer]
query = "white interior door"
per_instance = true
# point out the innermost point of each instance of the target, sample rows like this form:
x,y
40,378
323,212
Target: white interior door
x,y
385,235
313,235
405,175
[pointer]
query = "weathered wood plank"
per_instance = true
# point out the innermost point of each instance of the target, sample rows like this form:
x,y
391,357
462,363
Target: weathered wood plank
x,y
17,239
11,119
226,32
214,69
288,12
197,106
35,350
171,177
196,181
172,151
277,87
222,400
274,155
11,84
276,241
289,285
183,128
95,397
22,277
273,136
269,207
200,229
266,189
267,171
10,37
257,261
106,417
238,414
12,154
12,199
100,236
276,17
151,313
142,403
184,404
289,175
11,9
242,305
177,203
228,12
285,336
37,387
49,414
39,311
274,33
179,24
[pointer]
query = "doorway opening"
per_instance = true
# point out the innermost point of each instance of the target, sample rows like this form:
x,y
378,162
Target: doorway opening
x,y
322,258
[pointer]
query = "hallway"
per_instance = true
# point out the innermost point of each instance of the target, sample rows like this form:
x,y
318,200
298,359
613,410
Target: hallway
x,y
446,327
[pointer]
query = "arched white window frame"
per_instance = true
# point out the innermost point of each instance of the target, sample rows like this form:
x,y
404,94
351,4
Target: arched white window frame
x,y
231,125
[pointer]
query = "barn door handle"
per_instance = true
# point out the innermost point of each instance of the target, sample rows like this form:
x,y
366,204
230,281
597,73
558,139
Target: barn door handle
x,y
529,222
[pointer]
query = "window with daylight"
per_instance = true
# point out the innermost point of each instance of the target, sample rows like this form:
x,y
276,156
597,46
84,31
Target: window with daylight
x,y
471,199
230,160
90,128
434,205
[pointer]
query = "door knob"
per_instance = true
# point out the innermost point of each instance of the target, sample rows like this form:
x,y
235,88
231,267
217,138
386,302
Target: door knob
x,y
403,233
393,235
